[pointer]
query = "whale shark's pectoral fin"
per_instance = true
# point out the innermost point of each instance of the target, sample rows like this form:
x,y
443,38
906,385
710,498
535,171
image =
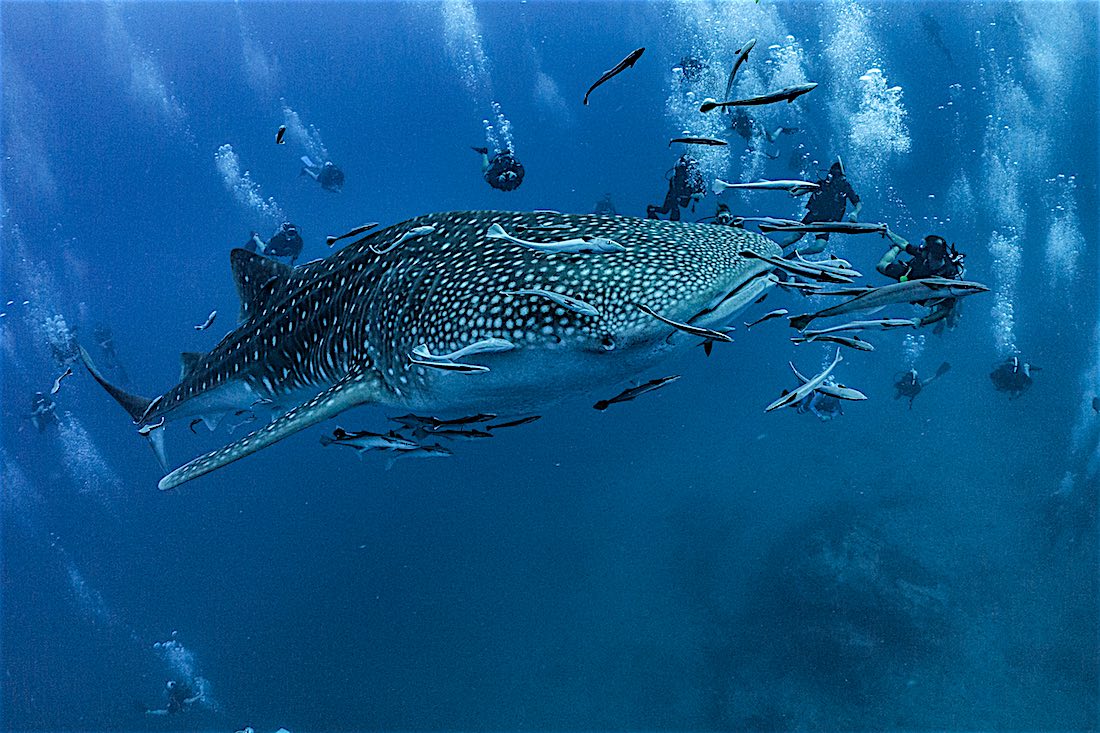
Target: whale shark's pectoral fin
x,y
356,388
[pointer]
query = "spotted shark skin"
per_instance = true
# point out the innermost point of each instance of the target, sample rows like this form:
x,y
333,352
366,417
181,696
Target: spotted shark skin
x,y
336,333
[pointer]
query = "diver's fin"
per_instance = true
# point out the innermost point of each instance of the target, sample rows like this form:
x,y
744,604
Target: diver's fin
x,y
156,442
135,405
308,162
258,278
188,361
356,388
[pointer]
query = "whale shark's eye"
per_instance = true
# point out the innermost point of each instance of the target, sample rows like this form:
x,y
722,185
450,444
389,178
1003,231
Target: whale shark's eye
x,y
607,342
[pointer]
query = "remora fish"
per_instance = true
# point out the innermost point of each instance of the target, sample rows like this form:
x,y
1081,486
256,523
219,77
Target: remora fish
x,y
794,188
514,423
449,366
831,227
882,324
787,94
634,392
706,333
742,57
418,421
793,398
574,304
57,382
617,69
831,388
852,342
363,441
208,322
330,240
336,334
803,269
910,291
778,313
482,346
410,234
697,141
578,245
279,135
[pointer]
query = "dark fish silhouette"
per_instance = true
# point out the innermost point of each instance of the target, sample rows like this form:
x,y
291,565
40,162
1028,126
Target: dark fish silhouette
x,y
1096,404
351,233
697,141
514,423
742,57
635,392
787,94
279,135
620,67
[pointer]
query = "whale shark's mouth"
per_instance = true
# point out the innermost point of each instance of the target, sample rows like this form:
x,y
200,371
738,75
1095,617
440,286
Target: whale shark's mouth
x,y
717,305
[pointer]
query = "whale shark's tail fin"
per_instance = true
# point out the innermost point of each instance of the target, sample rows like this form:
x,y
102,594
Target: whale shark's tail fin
x,y
356,388
135,405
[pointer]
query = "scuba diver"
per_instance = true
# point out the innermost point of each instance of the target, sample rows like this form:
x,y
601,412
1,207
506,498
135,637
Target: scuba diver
x,y
605,207
504,172
1013,376
285,242
328,175
745,126
108,357
685,187
827,203
723,217
180,697
824,407
934,257
43,412
909,385
690,68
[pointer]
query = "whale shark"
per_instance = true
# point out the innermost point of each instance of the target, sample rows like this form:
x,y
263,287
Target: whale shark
x,y
340,332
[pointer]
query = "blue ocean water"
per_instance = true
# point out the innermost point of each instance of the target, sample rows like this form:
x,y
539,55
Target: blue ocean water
x,y
684,561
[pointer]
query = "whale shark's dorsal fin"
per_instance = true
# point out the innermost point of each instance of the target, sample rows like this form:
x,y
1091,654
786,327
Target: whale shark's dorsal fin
x,y
257,278
188,361
356,388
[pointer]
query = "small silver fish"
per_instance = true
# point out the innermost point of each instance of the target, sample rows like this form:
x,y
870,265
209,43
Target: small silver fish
x,y
330,240
794,188
793,398
778,313
364,441
569,303
145,430
57,382
634,392
699,331
279,135
882,324
578,245
698,141
852,342
209,321
449,366
411,234
491,345
831,388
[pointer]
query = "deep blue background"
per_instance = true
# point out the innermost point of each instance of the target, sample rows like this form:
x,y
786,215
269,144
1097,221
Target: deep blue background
x,y
637,568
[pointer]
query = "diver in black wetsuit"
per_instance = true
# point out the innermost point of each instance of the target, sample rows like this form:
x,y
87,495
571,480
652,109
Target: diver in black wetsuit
x,y
1013,375
328,175
43,412
180,698
503,172
827,203
684,188
285,242
934,257
605,206
909,384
